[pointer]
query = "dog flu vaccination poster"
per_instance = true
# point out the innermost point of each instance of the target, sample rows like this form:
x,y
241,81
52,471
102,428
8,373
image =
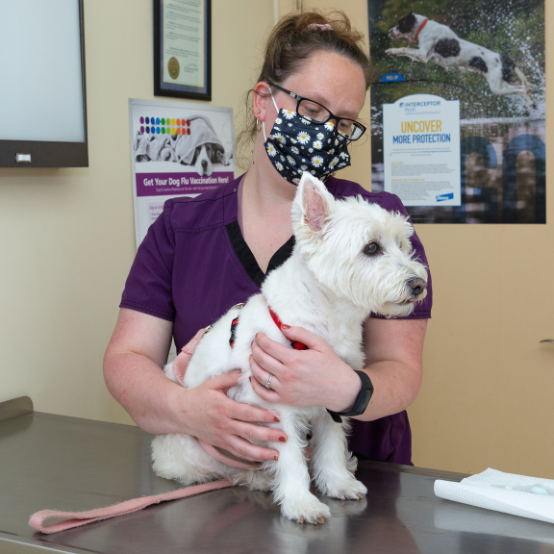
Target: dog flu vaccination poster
x,y
458,127
177,149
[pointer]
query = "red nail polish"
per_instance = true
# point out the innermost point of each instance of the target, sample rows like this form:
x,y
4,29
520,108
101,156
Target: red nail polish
x,y
275,458
250,357
282,439
276,419
250,379
285,326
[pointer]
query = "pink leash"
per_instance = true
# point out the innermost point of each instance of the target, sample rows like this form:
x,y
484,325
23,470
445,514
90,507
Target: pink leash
x,y
76,519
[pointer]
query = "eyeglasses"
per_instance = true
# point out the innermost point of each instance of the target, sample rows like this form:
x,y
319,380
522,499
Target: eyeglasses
x,y
314,112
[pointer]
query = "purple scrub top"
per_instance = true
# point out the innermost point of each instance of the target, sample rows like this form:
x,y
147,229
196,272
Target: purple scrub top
x,y
194,264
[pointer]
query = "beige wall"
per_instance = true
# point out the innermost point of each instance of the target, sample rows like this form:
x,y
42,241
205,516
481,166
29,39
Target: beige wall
x,y
68,242
488,394
68,234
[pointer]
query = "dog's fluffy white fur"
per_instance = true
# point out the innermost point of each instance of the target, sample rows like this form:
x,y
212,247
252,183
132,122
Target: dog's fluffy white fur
x,y
441,45
329,286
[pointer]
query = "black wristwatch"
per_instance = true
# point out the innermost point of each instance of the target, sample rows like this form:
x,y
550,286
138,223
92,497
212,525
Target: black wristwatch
x,y
361,401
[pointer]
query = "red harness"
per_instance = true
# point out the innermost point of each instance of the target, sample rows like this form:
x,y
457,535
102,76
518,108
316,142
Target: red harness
x,y
297,345
418,31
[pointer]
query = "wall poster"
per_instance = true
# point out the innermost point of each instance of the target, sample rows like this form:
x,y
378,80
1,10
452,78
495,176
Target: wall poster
x,y
421,150
485,59
177,149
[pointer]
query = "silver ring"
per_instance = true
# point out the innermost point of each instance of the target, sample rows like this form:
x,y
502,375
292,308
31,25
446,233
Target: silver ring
x,y
268,382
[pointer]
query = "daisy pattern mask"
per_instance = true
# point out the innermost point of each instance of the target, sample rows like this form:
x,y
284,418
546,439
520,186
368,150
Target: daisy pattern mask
x,y
296,145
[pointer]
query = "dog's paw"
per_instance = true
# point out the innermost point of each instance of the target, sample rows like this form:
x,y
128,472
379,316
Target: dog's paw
x,y
391,51
344,489
307,509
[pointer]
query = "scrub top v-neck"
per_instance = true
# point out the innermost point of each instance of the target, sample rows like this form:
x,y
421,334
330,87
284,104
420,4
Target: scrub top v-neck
x,y
247,259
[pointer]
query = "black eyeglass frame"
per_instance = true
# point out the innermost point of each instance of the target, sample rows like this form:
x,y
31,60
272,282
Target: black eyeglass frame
x,y
299,99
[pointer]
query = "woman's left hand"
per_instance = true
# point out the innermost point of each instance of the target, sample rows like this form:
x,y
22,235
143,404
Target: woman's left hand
x,y
312,377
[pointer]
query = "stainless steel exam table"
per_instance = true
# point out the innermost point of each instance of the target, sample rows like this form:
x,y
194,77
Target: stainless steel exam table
x,y
66,463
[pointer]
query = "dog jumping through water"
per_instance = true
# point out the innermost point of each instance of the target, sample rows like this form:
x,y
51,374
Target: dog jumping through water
x,y
441,45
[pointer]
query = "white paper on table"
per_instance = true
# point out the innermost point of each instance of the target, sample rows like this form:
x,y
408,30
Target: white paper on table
x,y
451,516
488,490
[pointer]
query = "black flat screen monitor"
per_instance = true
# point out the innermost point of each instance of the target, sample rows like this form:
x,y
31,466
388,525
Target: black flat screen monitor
x,y
43,119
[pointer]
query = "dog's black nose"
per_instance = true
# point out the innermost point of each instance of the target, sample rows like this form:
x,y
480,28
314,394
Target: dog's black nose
x,y
417,286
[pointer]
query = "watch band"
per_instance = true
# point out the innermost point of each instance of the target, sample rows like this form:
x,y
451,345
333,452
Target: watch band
x,y
362,400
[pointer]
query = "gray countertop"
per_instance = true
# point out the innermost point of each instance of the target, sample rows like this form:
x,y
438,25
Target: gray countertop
x,y
66,463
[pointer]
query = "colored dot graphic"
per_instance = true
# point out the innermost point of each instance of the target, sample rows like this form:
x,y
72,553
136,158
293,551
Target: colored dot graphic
x,y
164,126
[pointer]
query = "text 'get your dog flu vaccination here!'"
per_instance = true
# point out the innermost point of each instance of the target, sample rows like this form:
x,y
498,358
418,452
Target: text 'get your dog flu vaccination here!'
x,y
421,150
177,149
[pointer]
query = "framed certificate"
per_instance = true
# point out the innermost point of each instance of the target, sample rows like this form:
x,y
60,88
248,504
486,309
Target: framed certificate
x,y
182,48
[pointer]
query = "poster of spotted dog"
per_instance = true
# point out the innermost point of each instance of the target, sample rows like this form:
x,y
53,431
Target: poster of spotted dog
x,y
421,141
489,57
177,149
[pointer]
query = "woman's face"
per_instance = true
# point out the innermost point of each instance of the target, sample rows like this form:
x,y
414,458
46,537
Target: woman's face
x,y
329,79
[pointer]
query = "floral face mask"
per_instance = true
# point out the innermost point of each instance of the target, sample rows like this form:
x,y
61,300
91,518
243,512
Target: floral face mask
x,y
296,144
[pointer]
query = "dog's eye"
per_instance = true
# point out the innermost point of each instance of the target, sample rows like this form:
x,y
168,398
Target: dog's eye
x,y
371,248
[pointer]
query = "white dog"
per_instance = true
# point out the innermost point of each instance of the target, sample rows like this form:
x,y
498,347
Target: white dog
x,y
350,258
441,45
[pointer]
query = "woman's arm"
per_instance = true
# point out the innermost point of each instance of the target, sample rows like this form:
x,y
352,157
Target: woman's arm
x,y
132,370
393,349
318,377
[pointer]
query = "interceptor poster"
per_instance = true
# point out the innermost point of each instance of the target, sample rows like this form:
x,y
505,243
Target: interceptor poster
x,y
177,149
421,150
483,62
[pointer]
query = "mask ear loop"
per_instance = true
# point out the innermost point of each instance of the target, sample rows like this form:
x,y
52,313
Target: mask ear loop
x,y
276,108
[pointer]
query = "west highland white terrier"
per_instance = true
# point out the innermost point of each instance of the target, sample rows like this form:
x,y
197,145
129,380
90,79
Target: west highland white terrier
x,y
351,258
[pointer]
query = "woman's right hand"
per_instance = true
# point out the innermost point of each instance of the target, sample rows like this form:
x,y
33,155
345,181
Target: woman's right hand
x,y
132,370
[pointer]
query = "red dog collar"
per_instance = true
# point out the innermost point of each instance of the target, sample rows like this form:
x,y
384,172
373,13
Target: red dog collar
x,y
418,31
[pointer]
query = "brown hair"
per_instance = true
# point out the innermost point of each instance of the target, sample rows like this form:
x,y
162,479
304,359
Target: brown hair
x,y
297,37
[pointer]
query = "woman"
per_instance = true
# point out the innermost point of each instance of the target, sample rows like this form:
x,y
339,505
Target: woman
x,y
206,254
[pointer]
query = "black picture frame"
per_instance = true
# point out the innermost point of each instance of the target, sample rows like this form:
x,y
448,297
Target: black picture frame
x,y
40,153
164,88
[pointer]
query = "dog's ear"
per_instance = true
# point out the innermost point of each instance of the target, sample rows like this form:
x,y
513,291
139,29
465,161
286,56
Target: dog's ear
x,y
196,154
313,202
